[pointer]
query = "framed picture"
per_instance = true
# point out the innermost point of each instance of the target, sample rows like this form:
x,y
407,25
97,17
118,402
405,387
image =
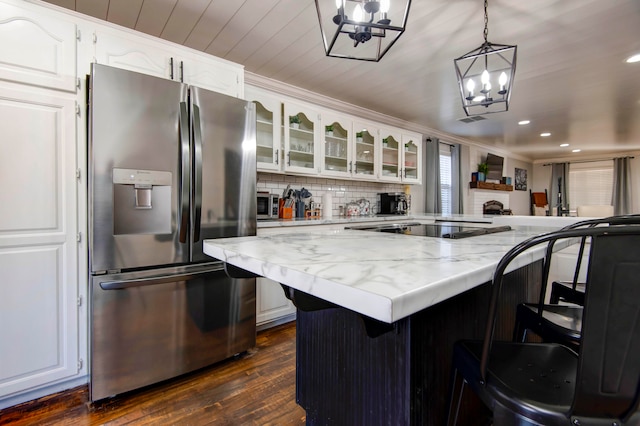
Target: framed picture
x,y
521,179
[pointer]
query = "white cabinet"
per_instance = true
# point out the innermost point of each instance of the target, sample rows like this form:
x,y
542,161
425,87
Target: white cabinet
x,y
268,129
350,148
391,158
401,159
412,158
301,139
38,232
337,145
211,73
366,151
272,307
128,50
37,49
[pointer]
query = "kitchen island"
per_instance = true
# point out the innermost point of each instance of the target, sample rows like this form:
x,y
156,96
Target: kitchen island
x,y
378,314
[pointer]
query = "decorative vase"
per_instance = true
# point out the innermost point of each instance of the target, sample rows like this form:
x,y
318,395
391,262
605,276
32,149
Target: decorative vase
x,y
481,177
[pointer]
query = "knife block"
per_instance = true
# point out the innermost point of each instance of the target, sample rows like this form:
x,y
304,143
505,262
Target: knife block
x,y
284,212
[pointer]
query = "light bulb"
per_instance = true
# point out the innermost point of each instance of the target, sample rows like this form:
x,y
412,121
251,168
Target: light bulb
x,y
338,4
384,6
357,13
471,85
502,80
487,86
484,78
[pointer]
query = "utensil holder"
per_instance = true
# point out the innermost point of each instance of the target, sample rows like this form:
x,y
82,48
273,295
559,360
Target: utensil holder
x,y
300,209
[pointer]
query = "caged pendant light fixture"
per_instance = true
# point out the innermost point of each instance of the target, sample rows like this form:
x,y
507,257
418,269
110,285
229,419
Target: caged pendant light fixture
x,y
361,29
485,75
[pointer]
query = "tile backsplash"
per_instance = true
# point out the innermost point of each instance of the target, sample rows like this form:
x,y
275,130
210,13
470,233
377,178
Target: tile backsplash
x,y
342,191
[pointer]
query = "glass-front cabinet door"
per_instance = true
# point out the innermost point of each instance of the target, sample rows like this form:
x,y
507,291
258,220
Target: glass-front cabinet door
x,y
365,152
391,155
412,158
301,132
268,133
337,137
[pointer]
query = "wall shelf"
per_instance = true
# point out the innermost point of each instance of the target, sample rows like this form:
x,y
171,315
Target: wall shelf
x,y
491,186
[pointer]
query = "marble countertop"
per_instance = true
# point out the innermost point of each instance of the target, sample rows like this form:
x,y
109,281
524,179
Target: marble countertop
x,y
380,275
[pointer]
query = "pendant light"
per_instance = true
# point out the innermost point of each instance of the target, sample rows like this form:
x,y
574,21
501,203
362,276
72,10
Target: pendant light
x,y
490,68
361,29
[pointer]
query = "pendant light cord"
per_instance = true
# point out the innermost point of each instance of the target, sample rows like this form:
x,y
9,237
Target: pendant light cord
x,y
486,21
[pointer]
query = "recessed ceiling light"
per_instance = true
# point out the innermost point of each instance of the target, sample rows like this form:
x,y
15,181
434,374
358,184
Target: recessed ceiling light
x,y
634,58
564,145
523,122
545,134
575,150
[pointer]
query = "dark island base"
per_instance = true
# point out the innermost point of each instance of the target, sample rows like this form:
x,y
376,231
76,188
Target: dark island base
x,y
401,377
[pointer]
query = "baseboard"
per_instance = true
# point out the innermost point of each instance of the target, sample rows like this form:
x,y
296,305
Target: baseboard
x,y
30,395
276,322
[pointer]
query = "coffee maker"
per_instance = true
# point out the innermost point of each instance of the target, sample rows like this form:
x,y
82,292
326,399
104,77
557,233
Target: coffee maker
x,y
392,203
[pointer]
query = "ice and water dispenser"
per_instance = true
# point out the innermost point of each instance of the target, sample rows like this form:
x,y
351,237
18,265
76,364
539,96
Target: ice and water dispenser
x,y
141,201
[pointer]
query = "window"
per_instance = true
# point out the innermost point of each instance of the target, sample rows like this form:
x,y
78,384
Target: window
x,y
590,183
445,179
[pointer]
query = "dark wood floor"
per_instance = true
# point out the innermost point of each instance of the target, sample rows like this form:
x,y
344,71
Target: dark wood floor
x,y
258,388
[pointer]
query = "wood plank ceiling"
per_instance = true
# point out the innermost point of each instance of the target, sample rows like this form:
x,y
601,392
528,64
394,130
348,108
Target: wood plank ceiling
x,y
571,77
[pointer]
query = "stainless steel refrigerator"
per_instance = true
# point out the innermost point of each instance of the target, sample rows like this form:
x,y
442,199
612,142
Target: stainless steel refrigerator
x,y
171,165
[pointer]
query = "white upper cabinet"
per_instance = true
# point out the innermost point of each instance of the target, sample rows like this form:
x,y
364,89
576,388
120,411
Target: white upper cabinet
x,y
401,159
132,53
268,129
337,150
211,73
302,138
412,158
127,50
391,158
366,150
37,49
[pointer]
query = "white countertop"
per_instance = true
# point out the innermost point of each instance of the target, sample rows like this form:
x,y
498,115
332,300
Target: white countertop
x,y
384,276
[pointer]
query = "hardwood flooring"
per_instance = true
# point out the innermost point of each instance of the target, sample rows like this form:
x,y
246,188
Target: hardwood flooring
x,y
257,388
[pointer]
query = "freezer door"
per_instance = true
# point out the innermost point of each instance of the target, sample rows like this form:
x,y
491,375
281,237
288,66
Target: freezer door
x,y
135,127
146,328
224,168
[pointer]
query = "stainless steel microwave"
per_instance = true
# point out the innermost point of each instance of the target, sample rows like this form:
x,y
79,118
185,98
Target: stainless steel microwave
x,y
267,205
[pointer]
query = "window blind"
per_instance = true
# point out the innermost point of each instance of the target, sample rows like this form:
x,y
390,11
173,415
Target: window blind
x,y
590,183
445,180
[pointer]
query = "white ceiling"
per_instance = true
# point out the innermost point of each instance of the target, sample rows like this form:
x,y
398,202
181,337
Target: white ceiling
x,y
571,78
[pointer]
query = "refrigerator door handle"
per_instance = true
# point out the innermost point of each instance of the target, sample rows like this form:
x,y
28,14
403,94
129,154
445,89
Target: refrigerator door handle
x,y
197,143
183,219
140,282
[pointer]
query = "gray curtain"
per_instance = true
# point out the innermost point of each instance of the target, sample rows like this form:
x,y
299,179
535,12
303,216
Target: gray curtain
x,y
456,180
433,199
622,186
559,185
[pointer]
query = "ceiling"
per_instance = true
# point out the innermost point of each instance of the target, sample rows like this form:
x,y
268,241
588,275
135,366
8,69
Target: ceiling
x,y
571,78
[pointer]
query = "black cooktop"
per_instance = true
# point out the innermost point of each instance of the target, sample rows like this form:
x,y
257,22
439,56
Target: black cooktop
x,y
437,230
